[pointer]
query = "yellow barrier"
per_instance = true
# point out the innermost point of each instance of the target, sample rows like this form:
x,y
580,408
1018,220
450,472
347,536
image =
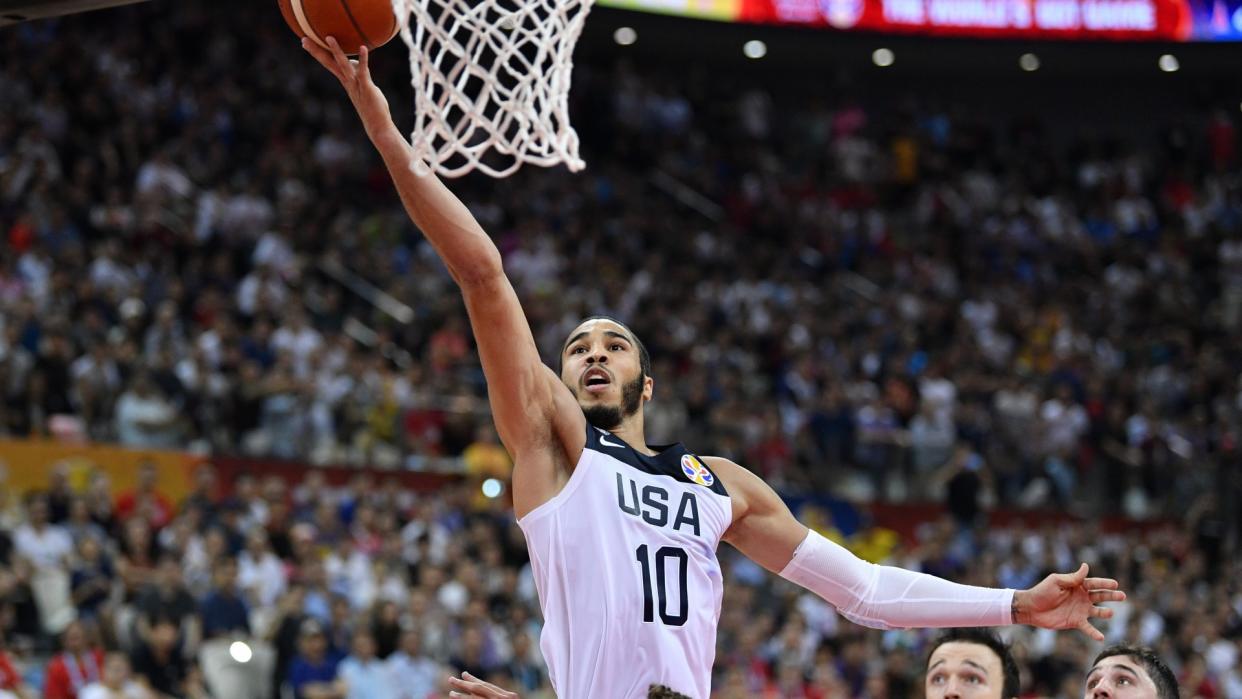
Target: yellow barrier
x,y
30,461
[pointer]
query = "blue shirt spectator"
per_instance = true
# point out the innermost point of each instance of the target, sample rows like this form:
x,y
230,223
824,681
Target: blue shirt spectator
x,y
415,675
364,675
313,674
223,610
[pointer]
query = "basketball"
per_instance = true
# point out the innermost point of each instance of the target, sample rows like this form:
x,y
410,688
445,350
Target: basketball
x,y
354,23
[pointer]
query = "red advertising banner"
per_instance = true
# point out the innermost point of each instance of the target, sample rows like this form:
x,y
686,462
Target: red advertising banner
x,y
1123,20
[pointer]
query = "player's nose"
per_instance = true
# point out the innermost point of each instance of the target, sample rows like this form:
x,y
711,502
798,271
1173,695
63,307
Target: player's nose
x,y
1101,692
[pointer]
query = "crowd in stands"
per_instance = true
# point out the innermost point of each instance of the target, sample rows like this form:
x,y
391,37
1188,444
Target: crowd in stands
x,y
192,252
886,301
368,590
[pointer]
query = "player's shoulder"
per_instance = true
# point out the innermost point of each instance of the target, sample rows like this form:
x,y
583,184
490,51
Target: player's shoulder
x,y
742,483
673,461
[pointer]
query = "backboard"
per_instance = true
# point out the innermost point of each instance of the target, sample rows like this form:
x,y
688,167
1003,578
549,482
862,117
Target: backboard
x,y
13,11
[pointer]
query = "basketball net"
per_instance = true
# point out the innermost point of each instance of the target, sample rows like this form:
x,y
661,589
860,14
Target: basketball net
x,y
491,82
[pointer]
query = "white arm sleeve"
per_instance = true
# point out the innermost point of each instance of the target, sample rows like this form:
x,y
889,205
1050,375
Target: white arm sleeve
x,y
883,597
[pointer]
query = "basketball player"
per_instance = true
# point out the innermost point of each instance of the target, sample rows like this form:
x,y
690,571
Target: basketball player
x,y
472,686
623,535
970,664
1130,672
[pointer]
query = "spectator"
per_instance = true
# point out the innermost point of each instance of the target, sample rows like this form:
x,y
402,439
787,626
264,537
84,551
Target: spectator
x,y
12,684
415,675
363,674
91,581
527,671
160,665
145,498
260,573
81,525
79,663
59,494
44,545
313,673
116,683
166,597
223,611
145,417
46,549
205,497
285,632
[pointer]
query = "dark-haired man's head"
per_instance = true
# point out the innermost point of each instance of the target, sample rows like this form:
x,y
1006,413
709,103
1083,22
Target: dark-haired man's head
x,y
970,664
659,691
607,368
1130,672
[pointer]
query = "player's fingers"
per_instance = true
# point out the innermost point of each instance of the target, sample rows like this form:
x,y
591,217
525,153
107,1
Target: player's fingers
x,y
1098,596
1092,632
1101,584
1073,579
487,688
364,63
1101,612
324,58
342,61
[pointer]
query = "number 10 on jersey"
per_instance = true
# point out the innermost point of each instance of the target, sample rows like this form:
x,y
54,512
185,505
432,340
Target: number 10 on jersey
x,y
663,554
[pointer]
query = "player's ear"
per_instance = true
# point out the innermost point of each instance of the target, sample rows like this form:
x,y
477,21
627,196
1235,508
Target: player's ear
x,y
648,387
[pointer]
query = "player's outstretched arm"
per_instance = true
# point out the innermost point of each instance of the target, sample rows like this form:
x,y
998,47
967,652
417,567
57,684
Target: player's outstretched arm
x,y
885,597
530,405
465,248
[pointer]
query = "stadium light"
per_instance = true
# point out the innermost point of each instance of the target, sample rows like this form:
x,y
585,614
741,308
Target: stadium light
x,y
240,651
492,488
625,36
883,57
1028,62
755,49
1169,63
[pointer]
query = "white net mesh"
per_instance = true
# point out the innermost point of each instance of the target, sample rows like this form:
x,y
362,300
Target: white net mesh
x,y
491,81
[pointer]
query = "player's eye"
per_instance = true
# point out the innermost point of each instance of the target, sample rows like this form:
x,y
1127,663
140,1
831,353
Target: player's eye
x,y
577,350
617,346
973,679
1123,680
937,678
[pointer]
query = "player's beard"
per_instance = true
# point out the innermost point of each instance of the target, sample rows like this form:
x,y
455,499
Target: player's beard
x,y
607,417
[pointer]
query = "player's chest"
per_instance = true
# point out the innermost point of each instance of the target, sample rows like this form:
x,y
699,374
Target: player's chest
x,y
655,506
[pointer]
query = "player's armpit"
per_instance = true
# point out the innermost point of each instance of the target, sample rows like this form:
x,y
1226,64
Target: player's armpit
x,y
763,528
532,409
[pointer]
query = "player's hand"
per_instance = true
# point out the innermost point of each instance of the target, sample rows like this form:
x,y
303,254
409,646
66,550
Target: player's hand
x,y
355,77
470,686
1067,601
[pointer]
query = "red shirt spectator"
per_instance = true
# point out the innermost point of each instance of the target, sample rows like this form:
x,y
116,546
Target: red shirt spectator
x,y
145,499
10,679
73,668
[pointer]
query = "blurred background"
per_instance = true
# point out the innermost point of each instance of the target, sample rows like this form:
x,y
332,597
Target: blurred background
x,y
972,304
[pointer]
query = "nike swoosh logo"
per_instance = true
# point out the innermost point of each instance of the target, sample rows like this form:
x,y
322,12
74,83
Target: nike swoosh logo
x,y
604,440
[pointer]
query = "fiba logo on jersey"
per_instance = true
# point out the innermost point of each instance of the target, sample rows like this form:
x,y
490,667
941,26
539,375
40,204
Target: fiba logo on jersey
x,y
841,14
696,471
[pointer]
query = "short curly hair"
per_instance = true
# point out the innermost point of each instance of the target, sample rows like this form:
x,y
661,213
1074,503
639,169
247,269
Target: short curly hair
x,y
659,691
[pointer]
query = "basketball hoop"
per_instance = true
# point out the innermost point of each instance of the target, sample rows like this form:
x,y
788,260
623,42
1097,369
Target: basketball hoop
x,y
491,81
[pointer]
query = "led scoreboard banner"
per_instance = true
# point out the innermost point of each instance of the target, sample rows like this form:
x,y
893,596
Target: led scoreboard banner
x,y
1127,20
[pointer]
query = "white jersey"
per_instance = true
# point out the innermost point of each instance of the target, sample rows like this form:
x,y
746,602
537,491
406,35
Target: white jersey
x,y
624,558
